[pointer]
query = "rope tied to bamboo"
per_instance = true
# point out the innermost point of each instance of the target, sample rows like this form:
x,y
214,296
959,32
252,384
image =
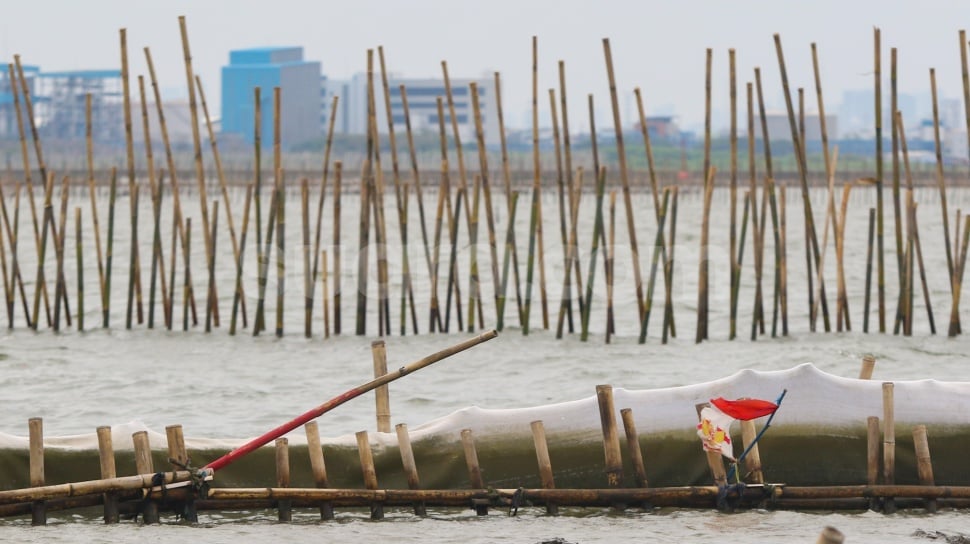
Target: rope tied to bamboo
x,y
517,499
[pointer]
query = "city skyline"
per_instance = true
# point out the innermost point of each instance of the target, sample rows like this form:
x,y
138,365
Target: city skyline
x,y
418,36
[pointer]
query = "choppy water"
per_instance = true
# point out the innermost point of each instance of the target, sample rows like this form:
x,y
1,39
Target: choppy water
x,y
223,387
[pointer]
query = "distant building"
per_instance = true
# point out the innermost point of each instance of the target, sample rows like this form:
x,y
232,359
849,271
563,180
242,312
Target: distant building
x,y
779,128
269,67
8,115
60,108
422,95
661,127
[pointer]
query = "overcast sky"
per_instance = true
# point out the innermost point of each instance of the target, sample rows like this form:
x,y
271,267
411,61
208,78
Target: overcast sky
x,y
658,46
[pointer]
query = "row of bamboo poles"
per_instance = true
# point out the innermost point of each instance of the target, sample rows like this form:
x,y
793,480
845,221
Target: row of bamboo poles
x,y
145,494
472,191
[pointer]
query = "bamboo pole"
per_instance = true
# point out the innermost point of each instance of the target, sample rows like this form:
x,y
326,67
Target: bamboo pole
x,y
407,290
42,249
26,158
199,172
337,178
410,467
259,321
106,455
258,174
89,487
346,396
658,246
133,263
238,291
888,443
280,251
865,312
284,506
842,300
308,281
901,268
924,464
370,474
633,446
954,327
573,184
624,179
474,289
757,232
443,198
144,465
134,283
14,261
572,249
377,199
610,260
36,444
225,195
60,235
811,242
318,466
487,191
212,265
561,193
507,178
668,324
178,225
157,258
783,259
545,464
752,461
536,187
829,213
419,193
80,268
611,438
702,283
381,394
509,248
597,231
881,277
326,295
868,365
474,469
323,193
940,178
187,284
733,249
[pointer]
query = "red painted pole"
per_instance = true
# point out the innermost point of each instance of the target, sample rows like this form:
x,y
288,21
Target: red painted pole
x,y
344,397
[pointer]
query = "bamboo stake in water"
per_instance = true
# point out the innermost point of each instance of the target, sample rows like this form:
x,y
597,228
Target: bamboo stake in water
x,y
610,260
897,211
362,248
435,317
42,247
307,279
187,252
280,252
14,264
955,307
842,300
337,175
89,140
658,244
60,234
9,292
80,268
199,172
156,199
597,231
263,274
134,272
702,283
572,248
509,245
27,170
624,180
326,296
323,192
941,179
733,257
561,191
238,292
668,324
881,275
223,188
536,187
178,225
486,190
507,177
865,311
212,264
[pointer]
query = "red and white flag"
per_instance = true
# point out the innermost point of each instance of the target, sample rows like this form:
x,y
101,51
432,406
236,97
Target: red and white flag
x,y
715,431
745,409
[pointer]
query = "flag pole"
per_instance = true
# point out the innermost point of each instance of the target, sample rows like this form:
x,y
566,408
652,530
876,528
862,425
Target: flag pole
x,y
747,450
340,399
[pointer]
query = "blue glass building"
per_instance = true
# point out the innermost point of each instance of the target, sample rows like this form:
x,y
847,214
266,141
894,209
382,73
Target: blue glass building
x,y
267,68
